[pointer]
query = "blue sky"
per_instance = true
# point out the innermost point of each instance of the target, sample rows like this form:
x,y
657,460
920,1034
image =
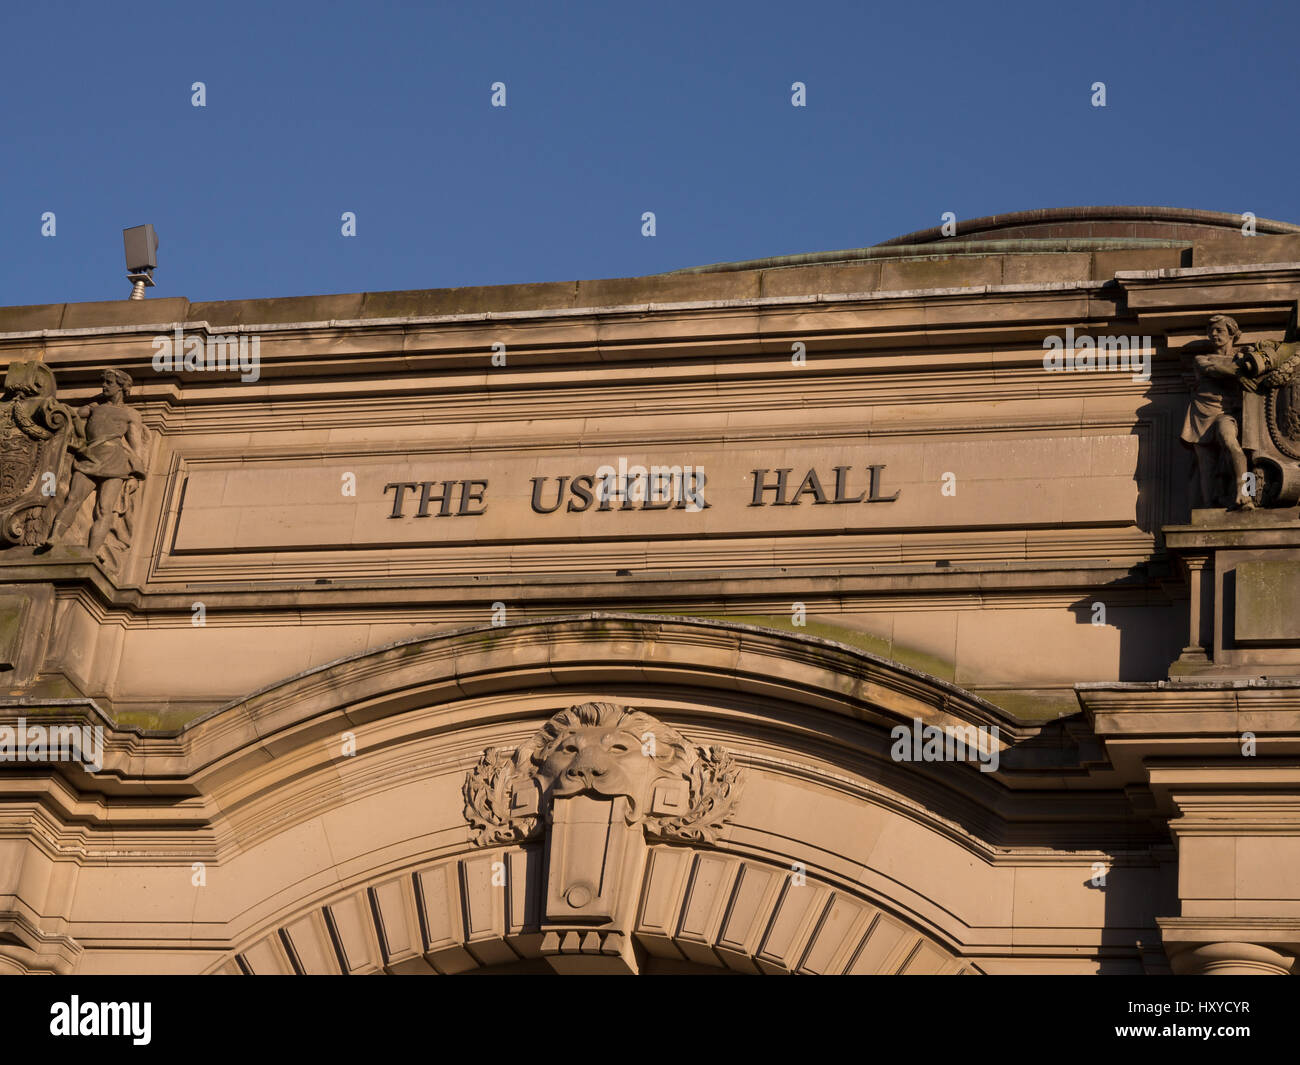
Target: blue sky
x,y
683,109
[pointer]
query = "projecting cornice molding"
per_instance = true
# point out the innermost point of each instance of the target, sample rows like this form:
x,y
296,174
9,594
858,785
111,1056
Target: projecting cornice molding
x,y
26,949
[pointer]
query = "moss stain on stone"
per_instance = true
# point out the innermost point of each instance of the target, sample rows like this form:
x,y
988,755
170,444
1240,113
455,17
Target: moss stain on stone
x,y
1046,705
863,641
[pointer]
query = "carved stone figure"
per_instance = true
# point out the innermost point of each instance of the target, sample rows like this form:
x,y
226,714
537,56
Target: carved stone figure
x,y
108,459
674,789
33,430
1211,426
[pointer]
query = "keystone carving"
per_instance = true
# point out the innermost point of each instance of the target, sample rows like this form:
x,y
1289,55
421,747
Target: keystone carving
x,y
596,782
672,788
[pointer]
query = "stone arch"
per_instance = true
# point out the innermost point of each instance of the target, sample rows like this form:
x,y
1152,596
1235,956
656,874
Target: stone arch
x,y
754,901
696,908
307,846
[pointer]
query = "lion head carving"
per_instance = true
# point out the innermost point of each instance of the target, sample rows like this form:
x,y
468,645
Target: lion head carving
x,y
676,789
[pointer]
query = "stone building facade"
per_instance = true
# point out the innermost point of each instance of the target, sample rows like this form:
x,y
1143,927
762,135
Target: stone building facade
x,y
851,612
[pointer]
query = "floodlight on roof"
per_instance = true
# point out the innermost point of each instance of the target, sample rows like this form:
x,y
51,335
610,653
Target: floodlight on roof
x,y
141,246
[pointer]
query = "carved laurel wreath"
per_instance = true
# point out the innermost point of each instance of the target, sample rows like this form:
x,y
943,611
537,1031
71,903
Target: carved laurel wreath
x,y
503,803
715,787
489,791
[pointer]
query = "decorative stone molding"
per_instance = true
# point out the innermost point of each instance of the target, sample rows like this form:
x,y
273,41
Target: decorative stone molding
x,y
27,949
676,790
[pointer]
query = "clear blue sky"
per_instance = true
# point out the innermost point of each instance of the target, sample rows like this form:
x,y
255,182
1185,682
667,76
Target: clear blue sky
x,y
613,109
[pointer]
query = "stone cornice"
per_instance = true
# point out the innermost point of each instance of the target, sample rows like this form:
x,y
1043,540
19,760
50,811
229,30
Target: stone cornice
x,y
1129,280
358,592
637,310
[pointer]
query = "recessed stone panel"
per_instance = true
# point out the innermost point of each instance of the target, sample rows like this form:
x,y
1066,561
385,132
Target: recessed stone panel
x,y
777,490
1268,601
